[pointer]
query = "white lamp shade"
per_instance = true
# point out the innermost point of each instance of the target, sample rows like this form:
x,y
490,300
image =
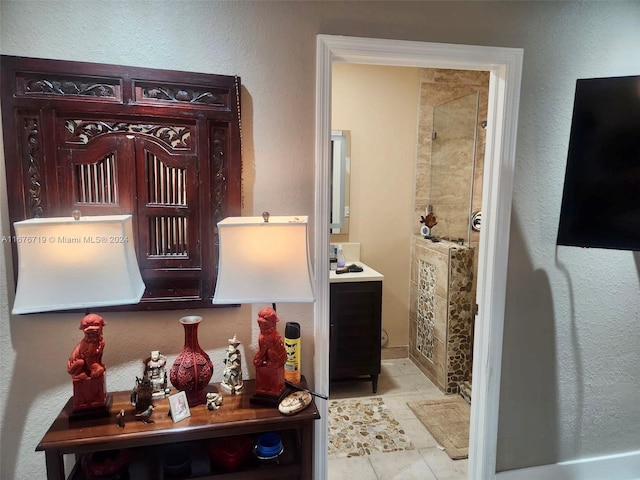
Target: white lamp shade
x,y
263,262
66,264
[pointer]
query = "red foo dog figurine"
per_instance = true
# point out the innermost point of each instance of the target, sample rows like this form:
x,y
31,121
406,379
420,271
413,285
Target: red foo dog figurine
x,y
271,356
85,366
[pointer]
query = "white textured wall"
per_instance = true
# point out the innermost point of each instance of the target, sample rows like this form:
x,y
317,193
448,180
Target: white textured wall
x,y
572,337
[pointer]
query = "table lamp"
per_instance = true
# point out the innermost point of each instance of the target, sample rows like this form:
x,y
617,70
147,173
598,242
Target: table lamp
x,y
265,260
68,263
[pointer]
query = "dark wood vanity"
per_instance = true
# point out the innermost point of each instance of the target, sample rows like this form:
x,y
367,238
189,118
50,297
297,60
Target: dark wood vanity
x,y
356,325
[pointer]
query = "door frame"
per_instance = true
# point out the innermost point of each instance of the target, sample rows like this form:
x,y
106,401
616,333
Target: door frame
x,y
505,67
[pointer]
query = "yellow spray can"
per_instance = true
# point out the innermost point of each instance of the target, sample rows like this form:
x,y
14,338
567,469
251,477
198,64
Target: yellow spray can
x,y
292,345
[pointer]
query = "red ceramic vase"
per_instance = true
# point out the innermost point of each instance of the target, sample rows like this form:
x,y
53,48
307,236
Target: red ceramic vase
x,y
193,368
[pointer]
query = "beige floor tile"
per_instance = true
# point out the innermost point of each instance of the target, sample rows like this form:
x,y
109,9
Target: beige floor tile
x,y
394,385
443,466
355,389
354,468
398,404
405,465
422,384
416,431
398,367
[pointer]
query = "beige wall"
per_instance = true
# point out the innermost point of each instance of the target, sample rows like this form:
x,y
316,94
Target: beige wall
x,y
379,106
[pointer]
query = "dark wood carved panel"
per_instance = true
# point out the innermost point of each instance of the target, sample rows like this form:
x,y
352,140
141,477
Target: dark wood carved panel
x,y
97,178
185,94
106,139
66,86
31,159
83,131
219,167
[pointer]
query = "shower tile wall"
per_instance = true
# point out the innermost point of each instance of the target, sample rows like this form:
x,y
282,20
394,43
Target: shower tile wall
x,y
426,309
437,87
442,299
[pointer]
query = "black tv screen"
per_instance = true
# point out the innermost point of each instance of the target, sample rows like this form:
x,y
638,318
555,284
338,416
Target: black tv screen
x,y
601,197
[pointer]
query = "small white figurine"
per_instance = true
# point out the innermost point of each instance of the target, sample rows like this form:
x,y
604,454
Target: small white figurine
x,y
155,371
214,401
232,376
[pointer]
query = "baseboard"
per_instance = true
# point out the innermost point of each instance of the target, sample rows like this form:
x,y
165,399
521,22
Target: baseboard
x,y
389,353
624,466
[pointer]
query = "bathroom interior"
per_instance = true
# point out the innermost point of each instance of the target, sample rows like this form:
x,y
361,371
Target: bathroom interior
x,y
409,142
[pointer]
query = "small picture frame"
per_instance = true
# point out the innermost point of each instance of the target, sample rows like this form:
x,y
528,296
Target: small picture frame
x,y
179,407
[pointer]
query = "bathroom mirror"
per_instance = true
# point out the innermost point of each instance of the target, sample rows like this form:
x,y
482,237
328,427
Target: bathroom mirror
x,y
340,174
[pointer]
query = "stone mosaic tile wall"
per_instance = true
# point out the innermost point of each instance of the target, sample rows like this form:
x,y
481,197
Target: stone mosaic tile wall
x,y
426,309
460,331
442,301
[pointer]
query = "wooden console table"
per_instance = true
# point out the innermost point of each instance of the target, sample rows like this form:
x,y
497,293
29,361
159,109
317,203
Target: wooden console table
x,y
146,441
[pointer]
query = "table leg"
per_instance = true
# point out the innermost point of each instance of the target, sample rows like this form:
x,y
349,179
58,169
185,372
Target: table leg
x,y
55,465
306,454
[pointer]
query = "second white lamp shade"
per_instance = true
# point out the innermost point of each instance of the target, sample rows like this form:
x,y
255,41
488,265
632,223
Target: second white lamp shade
x,y
263,262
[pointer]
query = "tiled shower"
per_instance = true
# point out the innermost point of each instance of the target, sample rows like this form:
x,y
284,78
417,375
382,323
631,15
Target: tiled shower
x,y
449,168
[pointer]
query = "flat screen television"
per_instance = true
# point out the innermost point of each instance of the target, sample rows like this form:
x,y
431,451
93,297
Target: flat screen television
x,y
601,197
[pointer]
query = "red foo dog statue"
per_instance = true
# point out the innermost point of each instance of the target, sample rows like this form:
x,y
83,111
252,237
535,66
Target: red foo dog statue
x,y
85,366
271,356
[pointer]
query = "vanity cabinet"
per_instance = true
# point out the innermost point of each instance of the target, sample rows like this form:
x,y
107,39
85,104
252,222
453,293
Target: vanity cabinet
x,y
356,323
145,443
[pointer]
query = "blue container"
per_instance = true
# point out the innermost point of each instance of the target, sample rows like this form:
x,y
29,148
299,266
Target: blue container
x,y
268,446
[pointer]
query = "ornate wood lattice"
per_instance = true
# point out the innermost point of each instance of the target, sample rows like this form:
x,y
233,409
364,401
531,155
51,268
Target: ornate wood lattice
x,y
96,183
89,136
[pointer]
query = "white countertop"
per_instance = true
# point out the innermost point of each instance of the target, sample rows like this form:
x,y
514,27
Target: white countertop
x,y
367,274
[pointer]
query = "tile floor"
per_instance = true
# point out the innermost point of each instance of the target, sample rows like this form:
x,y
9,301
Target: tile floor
x,y
400,382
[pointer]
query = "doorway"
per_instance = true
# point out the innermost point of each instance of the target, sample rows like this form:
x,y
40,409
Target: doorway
x,y
505,67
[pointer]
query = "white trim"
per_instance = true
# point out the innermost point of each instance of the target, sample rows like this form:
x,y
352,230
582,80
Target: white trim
x,y
505,66
625,466
321,229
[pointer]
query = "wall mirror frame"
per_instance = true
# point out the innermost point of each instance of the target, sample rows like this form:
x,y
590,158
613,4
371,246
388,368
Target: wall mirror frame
x,y
340,181
161,145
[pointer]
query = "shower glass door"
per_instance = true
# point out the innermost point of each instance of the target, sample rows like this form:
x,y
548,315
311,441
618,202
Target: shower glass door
x,y
452,166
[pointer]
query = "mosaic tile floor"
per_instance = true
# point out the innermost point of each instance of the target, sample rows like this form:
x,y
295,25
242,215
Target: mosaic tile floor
x,y
360,427
400,382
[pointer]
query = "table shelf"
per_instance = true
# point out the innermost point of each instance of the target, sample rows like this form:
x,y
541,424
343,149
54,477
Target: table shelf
x,y
145,441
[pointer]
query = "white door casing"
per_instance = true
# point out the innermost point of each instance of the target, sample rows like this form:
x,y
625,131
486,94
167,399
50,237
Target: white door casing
x,y
505,67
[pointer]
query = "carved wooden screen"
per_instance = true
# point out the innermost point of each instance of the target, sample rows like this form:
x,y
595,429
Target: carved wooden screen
x,y
105,139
